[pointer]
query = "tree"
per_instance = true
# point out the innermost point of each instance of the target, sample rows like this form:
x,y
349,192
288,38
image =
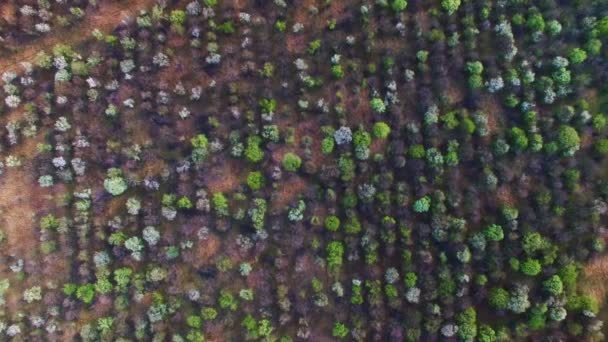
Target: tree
x,y
339,330
450,6
486,334
518,138
220,204
115,184
467,325
532,242
602,27
601,146
332,223
531,267
577,56
494,233
381,130
253,152
335,250
499,298
377,105
291,162
255,180
554,285
422,205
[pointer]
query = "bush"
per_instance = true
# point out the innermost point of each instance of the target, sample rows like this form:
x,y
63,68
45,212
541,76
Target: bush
x,y
291,162
332,223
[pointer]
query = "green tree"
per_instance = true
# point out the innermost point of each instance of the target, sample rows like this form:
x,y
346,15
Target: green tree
x,y
335,251
377,105
467,325
253,152
494,232
381,130
577,56
531,267
518,138
332,223
291,162
422,205
554,285
450,6
499,298
220,204
255,180
339,330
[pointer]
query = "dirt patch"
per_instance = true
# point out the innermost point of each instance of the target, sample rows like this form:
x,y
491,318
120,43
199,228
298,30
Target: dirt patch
x,y
492,108
8,12
205,250
224,177
293,186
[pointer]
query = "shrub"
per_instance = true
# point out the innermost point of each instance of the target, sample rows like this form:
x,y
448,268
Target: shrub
x,y
332,223
291,162
381,130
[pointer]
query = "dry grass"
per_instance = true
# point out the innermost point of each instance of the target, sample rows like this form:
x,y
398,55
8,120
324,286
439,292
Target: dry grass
x,y
595,278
